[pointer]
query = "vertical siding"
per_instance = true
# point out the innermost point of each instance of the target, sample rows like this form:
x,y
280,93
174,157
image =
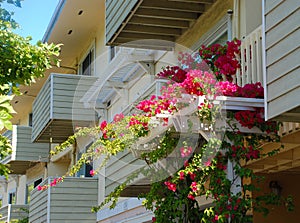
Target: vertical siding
x,y
116,13
282,48
68,202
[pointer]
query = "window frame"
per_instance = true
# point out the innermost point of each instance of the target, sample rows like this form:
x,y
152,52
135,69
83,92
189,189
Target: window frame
x,y
90,52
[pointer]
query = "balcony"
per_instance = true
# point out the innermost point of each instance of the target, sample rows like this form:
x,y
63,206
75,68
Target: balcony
x,y
282,50
13,212
133,20
69,201
57,109
25,154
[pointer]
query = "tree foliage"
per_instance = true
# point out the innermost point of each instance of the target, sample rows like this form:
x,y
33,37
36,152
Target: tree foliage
x,y
20,63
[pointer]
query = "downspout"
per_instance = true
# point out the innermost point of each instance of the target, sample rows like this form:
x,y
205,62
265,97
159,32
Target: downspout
x,y
9,211
48,201
229,24
264,61
235,19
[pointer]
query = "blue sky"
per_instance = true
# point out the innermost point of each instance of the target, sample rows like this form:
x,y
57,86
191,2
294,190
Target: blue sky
x,y
33,17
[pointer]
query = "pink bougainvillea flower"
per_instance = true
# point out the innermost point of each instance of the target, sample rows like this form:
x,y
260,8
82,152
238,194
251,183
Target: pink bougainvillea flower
x,y
118,117
171,186
92,172
192,175
191,197
194,186
216,217
181,175
207,163
186,163
184,152
103,125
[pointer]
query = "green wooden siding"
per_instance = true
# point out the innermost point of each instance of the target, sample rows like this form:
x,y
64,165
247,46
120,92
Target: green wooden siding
x,y
119,168
41,109
70,201
25,149
59,104
123,164
16,212
22,147
116,13
282,45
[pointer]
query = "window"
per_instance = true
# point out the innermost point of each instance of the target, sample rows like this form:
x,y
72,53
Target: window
x,y
87,65
37,182
30,119
12,197
30,187
113,50
86,167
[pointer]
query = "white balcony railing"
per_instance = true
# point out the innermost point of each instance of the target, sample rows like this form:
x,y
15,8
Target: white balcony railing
x,y
251,70
251,59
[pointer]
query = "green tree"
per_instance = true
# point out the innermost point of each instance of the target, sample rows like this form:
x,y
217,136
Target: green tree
x,y
20,63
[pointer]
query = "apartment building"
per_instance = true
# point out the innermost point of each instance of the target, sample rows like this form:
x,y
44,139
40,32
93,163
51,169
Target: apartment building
x,y
111,52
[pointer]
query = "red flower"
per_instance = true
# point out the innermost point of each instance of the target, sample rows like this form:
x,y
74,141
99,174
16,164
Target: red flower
x,y
103,125
194,186
190,196
53,183
186,163
192,175
171,186
181,175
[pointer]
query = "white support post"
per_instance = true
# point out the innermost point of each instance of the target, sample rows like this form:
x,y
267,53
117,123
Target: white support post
x,y
236,181
9,212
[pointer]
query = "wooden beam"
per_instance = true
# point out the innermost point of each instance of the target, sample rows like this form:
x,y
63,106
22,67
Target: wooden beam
x,y
174,6
159,22
166,14
291,138
161,45
152,30
195,1
138,36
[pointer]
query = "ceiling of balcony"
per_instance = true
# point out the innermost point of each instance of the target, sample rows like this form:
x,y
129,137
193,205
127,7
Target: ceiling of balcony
x,y
73,24
287,159
159,19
